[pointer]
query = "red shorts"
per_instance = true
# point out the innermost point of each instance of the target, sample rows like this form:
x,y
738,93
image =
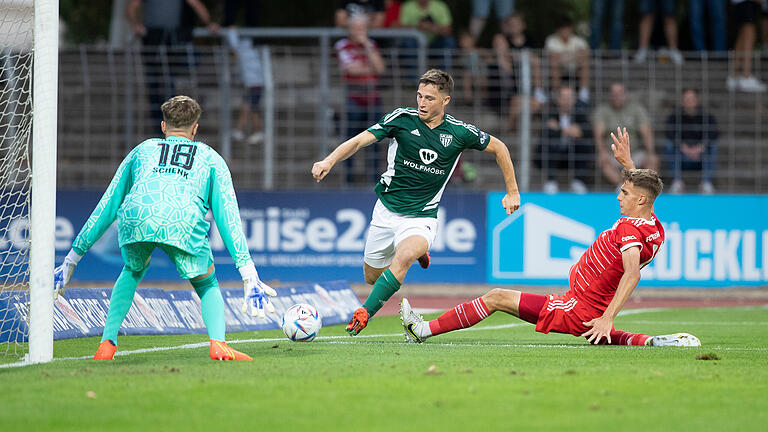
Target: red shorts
x,y
557,313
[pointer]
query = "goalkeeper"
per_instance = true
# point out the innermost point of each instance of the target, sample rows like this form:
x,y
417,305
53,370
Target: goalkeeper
x,y
160,195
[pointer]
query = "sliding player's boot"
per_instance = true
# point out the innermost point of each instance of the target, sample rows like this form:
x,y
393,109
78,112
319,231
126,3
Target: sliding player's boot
x,y
424,260
358,322
411,322
106,351
221,351
677,339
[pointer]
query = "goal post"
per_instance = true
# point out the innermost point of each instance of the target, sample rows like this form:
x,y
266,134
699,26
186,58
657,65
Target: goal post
x,y
43,210
29,37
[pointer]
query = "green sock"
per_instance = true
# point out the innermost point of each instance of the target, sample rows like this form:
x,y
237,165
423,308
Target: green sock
x,y
386,285
120,302
212,305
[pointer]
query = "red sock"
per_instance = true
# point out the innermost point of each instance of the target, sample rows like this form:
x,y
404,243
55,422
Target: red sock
x,y
619,337
462,316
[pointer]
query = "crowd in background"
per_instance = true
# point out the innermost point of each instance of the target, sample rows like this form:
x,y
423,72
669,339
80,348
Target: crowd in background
x,y
575,128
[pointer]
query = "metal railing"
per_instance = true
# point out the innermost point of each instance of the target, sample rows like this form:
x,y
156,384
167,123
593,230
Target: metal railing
x,y
105,110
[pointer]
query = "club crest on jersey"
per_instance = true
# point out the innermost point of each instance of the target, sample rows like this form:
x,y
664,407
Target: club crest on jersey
x,y
446,139
427,156
483,138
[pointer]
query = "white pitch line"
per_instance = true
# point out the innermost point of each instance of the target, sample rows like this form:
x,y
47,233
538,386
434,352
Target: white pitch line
x,y
373,336
639,311
476,345
239,341
727,323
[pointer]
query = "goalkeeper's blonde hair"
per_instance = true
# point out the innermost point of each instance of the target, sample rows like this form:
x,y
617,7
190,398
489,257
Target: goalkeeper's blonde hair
x,y
181,112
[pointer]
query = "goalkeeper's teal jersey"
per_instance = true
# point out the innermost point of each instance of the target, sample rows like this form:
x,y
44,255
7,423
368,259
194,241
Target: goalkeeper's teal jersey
x,y
421,160
161,193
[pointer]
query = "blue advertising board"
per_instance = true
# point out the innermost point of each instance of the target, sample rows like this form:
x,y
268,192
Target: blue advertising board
x,y
83,312
292,236
711,241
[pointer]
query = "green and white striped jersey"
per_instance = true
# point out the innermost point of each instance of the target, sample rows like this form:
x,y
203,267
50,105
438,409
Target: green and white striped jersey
x,y
421,160
161,193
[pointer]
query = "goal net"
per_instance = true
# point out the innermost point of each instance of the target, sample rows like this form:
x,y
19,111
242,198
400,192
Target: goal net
x,y
28,64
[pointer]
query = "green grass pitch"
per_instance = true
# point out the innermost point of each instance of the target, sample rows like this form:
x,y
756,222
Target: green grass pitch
x,y
500,375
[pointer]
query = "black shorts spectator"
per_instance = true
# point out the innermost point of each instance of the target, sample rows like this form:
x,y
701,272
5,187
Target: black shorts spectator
x,y
747,11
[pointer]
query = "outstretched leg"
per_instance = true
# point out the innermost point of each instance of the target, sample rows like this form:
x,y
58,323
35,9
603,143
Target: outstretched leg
x,y
522,305
675,340
619,337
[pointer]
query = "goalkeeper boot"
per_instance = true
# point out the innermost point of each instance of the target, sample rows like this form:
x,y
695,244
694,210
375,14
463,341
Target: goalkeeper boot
x,y
424,260
677,340
221,351
358,322
106,350
412,323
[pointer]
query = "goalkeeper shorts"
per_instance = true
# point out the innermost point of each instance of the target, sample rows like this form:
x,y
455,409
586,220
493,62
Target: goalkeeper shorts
x,y
136,258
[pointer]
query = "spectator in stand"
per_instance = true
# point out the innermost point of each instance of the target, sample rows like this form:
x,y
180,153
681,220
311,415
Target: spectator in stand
x,y
249,125
433,18
648,10
474,72
474,89
746,14
627,114
691,143
162,23
508,44
715,10
568,56
361,65
252,77
251,10
482,8
372,9
565,144
392,13
597,17
764,25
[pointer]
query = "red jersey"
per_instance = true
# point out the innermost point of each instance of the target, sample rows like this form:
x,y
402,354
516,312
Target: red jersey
x,y
595,277
360,88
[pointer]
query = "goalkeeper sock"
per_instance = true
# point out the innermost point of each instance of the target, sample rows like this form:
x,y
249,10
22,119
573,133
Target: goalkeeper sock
x,y
386,285
212,305
120,302
462,316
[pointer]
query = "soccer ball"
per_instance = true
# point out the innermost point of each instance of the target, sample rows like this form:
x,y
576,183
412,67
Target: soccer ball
x,y
301,322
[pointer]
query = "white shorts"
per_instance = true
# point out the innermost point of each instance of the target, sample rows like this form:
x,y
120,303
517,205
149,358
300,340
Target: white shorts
x,y
388,229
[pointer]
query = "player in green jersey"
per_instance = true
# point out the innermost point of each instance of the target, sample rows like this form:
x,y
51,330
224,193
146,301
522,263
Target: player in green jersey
x,y
425,148
159,196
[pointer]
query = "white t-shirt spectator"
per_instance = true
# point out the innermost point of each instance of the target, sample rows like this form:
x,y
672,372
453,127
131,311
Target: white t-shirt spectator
x,y
555,44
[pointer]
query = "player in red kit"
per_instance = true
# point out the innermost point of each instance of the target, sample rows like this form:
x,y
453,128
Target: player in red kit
x,y
600,282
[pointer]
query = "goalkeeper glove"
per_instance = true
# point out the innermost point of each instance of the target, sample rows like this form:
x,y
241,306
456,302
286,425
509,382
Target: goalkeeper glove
x,y
256,292
63,273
